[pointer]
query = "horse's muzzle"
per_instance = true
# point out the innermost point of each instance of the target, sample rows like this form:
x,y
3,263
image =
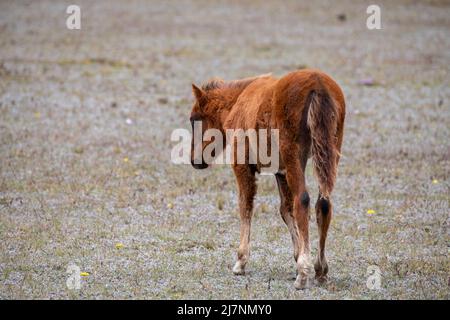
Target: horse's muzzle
x,y
202,165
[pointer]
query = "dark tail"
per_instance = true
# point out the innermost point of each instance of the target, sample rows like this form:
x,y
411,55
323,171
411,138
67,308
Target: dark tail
x,y
322,124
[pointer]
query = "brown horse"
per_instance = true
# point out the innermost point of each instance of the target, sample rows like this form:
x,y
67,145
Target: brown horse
x,y
308,109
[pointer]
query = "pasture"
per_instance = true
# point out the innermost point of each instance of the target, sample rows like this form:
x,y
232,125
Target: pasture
x,y
85,173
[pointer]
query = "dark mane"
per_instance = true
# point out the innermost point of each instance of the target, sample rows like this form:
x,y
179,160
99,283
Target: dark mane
x,y
217,83
213,84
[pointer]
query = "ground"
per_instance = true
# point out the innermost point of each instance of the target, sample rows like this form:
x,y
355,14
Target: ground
x,y
85,172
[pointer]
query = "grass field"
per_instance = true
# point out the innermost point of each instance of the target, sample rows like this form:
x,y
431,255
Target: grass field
x,y
85,171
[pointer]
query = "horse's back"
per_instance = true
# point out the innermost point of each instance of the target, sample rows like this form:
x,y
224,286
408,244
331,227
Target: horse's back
x,y
269,102
252,103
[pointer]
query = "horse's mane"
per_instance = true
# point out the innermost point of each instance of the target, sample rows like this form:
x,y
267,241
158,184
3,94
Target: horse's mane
x,y
217,83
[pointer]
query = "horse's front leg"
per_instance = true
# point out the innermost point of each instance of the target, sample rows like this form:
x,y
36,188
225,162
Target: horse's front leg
x,y
247,189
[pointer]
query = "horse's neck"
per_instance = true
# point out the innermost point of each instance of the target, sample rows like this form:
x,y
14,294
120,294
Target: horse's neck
x,y
228,97
234,88
229,93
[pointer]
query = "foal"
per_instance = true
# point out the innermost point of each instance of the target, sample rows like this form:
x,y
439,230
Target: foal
x,y
308,109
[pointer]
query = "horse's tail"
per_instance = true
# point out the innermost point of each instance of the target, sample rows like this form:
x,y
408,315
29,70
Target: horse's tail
x,y
322,123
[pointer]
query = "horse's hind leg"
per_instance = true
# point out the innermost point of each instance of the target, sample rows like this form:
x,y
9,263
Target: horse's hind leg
x,y
324,210
296,181
286,210
323,216
247,189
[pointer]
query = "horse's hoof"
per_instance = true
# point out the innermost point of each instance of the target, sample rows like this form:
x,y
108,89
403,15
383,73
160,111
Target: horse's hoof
x,y
321,271
301,283
238,269
321,279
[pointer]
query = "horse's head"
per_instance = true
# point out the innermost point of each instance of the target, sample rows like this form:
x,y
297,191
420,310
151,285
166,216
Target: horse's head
x,y
203,117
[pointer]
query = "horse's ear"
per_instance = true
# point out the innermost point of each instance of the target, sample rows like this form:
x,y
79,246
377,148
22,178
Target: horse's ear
x,y
198,93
